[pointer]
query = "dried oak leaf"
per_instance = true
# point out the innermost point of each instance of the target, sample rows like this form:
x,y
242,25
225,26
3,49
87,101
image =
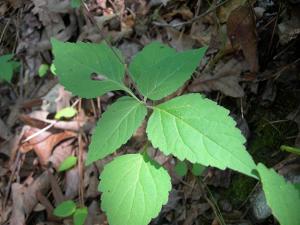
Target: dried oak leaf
x,y
241,30
44,143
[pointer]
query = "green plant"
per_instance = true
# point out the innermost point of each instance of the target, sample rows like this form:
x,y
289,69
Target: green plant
x,y
68,208
68,163
43,69
7,67
67,113
291,149
190,127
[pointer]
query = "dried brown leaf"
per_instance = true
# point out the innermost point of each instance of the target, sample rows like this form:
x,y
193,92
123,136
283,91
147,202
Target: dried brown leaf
x,y
225,78
224,11
61,152
25,198
241,30
44,143
179,40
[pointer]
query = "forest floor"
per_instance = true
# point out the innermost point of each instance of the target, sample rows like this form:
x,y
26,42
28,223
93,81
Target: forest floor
x,y
251,67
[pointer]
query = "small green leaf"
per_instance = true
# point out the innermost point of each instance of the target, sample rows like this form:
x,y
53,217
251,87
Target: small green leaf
x,y
294,150
76,63
80,216
43,69
116,126
75,3
283,197
159,70
181,168
198,169
67,113
67,163
65,209
7,67
53,69
197,129
134,188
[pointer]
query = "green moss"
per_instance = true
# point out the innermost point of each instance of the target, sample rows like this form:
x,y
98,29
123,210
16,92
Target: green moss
x,y
267,138
241,187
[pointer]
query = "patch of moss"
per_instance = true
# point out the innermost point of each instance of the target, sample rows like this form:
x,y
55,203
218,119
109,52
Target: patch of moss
x,y
241,187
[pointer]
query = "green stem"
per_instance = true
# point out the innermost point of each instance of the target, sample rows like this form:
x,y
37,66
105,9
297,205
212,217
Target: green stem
x,y
132,94
290,149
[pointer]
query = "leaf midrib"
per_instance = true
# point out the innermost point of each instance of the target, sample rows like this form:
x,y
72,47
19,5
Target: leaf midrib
x,y
133,108
183,121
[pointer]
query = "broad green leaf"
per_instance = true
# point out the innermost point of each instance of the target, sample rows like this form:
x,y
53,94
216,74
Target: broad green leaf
x,y
7,67
43,70
198,169
80,216
197,129
65,209
75,64
134,188
67,112
159,70
282,197
181,168
67,163
116,126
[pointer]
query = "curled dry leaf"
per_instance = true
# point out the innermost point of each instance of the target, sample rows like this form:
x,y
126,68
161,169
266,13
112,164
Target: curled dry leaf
x,y
241,30
44,143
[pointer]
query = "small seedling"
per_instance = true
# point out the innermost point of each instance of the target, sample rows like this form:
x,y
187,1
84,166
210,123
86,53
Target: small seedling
x,y
7,67
67,164
67,113
43,69
181,168
190,127
65,209
68,208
